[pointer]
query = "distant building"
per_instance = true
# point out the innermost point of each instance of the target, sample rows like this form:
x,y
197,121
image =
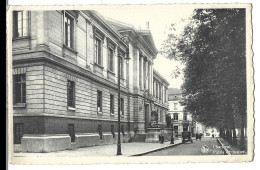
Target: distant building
x,y
182,120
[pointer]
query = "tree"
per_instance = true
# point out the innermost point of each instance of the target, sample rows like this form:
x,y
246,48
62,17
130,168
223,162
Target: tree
x,y
212,48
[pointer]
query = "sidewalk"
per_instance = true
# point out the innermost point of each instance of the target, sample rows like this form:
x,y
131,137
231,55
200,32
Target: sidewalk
x,y
128,149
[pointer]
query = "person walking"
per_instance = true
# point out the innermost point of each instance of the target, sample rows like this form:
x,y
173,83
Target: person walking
x,y
197,136
200,135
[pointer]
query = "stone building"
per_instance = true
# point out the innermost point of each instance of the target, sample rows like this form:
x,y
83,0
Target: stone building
x,y
65,80
182,120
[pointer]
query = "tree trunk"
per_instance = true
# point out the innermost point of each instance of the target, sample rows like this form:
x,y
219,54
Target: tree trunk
x,y
242,137
234,133
234,136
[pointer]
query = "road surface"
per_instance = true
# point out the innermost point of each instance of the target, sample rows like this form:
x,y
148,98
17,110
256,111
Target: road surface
x,y
207,146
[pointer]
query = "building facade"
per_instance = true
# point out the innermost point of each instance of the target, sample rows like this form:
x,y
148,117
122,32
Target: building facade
x,y
182,120
65,76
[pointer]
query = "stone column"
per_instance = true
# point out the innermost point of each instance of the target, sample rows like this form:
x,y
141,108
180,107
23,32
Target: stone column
x,y
141,72
151,78
146,74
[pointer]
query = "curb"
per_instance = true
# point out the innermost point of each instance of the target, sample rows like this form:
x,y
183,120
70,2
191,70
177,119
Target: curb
x,y
226,151
155,150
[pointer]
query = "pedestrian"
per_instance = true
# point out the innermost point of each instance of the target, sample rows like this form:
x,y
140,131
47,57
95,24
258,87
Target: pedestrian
x,y
213,135
200,136
197,136
160,138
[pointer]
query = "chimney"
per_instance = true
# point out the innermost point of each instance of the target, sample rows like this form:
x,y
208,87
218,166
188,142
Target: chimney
x,y
147,25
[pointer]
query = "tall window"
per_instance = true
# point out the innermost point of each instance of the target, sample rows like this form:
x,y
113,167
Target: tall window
x,y
99,101
121,67
69,30
175,116
185,116
98,57
18,132
175,106
19,88
71,93
122,106
20,23
110,59
111,104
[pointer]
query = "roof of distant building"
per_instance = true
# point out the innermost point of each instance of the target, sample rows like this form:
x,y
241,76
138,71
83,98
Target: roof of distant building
x,y
174,91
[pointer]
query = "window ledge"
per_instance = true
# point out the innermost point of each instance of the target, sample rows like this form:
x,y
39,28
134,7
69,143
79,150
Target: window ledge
x,y
21,38
122,115
111,72
99,112
98,65
19,105
69,48
71,108
112,114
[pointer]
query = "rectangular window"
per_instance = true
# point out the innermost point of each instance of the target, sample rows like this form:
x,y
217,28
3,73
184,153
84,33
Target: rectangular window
x,y
185,116
20,23
98,57
110,60
161,116
19,88
69,30
70,93
111,104
175,106
121,60
122,106
99,101
18,132
175,116
71,132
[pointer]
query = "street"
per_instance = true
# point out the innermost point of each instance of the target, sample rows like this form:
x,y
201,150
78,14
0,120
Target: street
x,y
207,146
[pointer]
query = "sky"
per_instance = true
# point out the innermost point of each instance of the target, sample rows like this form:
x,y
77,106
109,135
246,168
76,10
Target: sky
x,y
160,18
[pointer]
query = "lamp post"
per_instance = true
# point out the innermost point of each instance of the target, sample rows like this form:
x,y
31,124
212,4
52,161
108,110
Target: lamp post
x,y
172,139
118,93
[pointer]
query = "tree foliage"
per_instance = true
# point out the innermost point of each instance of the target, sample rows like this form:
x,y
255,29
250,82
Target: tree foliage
x,y
212,48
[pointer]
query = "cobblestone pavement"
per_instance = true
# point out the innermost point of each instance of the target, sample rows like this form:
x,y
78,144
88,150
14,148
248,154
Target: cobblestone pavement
x,y
207,146
128,149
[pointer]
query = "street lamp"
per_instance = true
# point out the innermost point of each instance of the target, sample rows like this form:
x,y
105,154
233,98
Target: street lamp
x,y
172,139
118,92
